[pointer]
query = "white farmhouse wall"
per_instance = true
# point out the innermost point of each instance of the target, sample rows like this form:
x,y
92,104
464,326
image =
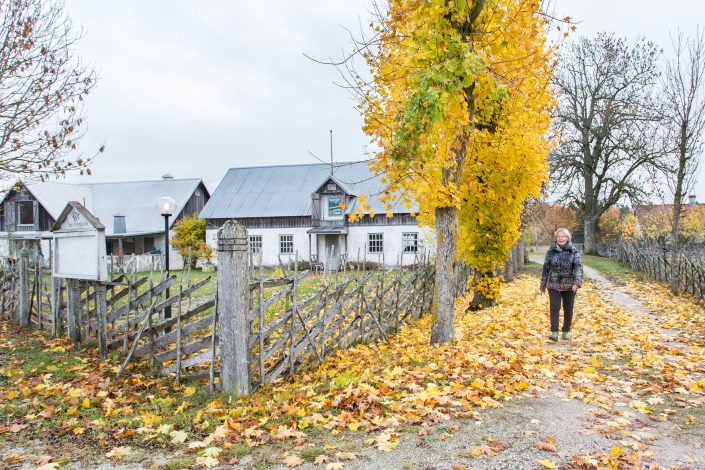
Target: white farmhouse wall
x,y
392,243
270,243
356,243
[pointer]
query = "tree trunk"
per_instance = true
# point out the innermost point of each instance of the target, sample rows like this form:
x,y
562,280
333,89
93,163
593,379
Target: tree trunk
x,y
443,296
479,299
677,207
590,230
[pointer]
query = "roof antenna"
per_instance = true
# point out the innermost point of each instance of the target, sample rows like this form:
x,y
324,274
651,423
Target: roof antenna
x,y
331,152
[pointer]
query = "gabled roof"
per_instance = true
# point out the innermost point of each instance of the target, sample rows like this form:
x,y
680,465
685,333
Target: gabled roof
x,y
90,218
136,200
54,196
285,190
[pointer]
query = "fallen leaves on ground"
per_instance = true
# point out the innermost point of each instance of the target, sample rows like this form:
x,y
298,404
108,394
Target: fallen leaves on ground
x,y
618,360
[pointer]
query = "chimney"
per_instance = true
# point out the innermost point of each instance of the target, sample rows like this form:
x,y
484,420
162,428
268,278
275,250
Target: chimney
x,y
119,225
691,201
167,176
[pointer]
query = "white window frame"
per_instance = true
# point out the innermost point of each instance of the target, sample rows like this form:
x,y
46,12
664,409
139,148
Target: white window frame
x,y
289,243
375,246
410,242
255,244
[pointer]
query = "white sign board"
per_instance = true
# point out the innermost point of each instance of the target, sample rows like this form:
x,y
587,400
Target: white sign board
x,y
79,245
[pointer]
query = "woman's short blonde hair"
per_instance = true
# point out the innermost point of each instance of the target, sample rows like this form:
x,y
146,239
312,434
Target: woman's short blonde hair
x,y
565,231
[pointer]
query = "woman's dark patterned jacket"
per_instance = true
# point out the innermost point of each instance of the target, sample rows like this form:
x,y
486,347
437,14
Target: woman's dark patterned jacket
x,y
562,268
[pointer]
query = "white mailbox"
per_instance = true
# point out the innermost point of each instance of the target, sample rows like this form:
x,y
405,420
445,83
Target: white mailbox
x,y
79,245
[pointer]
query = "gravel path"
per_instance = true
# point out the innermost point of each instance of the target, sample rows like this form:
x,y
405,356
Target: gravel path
x,y
521,422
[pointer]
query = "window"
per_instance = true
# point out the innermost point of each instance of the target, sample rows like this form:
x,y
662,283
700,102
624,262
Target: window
x,y
286,244
148,245
334,209
256,244
410,242
25,212
375,243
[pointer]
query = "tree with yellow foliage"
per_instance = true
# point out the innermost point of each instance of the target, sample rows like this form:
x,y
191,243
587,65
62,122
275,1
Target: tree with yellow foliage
x,y
459,107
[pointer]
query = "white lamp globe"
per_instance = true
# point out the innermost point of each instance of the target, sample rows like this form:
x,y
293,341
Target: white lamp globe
x,y
166,205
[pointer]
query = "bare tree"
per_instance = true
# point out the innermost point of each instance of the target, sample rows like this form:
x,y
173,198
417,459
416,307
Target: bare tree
x,y
607,116
684,97
42,90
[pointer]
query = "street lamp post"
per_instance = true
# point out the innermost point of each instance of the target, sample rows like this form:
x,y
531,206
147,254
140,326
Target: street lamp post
x,y
166,207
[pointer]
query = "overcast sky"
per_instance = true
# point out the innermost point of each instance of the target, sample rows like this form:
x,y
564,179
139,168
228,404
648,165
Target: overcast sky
x,y
194,88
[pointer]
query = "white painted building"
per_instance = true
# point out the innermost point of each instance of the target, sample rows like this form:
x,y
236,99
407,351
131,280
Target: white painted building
x,y
303,209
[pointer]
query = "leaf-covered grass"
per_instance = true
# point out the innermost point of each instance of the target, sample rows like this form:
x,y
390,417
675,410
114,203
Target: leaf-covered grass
x,y
64,399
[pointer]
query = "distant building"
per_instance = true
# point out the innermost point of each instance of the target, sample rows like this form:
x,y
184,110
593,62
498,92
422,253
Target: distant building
x,y
303,209
127,209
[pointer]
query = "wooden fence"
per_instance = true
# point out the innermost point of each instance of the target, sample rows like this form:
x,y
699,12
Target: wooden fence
x,y
253,330
655,261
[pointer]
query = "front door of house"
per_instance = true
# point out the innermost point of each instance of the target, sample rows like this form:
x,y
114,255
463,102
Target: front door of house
x,y
332,255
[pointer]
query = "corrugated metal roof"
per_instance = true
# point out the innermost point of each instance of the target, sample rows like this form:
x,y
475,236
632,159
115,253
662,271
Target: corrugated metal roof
x,y
136,200
54,196
285,191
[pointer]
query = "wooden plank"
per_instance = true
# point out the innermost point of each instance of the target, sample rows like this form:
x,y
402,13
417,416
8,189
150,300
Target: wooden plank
x,y
186,349
140,299
170,337
191,361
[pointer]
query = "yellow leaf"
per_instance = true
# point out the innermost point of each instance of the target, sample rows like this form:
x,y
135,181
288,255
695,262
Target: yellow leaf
x,y
545,463
293,461
11,395
119,453
86,403
346,456
335,466
178,437
189,391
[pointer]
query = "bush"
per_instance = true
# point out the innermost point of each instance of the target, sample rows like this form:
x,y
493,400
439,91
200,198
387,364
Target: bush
x,y
190,233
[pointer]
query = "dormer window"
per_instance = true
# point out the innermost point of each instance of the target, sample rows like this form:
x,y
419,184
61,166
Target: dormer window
x,y
334,207
331,187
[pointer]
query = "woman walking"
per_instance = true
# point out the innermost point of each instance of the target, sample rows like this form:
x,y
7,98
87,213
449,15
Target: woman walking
x,y
562,276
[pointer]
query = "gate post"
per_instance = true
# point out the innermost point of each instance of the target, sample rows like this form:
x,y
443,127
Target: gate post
x,y
233,301
24,287
73,310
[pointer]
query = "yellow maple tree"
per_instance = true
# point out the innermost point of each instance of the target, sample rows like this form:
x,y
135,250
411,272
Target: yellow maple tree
x,y
460,110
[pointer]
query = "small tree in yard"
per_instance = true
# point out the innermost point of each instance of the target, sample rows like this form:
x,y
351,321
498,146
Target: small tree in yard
x,y
190,235
42,90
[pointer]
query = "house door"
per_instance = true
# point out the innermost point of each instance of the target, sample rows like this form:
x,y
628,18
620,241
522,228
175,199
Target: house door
x,y
332,255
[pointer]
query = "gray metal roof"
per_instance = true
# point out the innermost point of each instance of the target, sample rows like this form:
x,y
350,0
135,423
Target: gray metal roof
x,y
54,196
285,191
136,200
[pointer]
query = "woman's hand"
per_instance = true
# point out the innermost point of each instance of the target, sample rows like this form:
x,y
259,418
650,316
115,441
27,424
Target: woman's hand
x,y
575,288
542,290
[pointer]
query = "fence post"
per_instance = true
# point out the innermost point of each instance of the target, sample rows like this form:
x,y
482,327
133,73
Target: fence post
x,y
24,291
233,299
101,310
73,309
56,306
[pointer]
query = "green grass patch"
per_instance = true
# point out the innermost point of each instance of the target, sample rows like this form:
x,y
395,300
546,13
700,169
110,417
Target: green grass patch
x,y
608,267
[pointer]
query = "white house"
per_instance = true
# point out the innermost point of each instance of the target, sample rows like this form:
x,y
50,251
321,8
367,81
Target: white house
x,y
292,209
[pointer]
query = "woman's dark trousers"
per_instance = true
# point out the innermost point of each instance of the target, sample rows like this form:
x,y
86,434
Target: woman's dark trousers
x,y
568,298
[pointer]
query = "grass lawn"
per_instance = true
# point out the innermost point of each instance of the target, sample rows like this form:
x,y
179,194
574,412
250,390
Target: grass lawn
x,y
610,268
